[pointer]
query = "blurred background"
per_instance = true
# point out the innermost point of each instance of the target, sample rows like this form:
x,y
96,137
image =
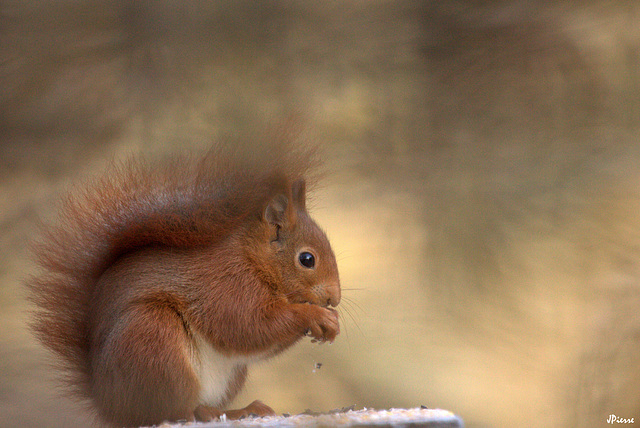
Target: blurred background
x,y
482,190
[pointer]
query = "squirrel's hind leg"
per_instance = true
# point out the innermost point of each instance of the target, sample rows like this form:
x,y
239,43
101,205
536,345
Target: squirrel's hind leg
x,y
257,408
141,371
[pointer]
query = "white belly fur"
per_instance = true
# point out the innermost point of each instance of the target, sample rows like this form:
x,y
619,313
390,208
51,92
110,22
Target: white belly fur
x,y
214,370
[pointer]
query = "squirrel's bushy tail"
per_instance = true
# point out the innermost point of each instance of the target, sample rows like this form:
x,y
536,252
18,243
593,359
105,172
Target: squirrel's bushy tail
x,y
182,202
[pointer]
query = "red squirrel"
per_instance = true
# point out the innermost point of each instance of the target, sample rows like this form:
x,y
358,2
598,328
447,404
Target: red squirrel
x,y
161,281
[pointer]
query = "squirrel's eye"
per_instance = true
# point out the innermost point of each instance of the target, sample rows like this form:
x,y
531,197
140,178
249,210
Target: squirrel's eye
x,y
307,259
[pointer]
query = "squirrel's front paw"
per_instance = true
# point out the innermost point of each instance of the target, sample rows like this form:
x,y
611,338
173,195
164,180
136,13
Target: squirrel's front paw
x,y
324,325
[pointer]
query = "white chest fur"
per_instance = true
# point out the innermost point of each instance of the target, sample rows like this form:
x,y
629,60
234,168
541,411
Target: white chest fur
x,y
215,371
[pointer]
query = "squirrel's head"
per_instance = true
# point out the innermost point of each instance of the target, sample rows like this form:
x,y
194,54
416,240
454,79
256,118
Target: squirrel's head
x,y
305,266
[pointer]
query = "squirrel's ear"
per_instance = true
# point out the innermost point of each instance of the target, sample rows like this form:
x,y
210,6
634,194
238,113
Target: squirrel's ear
x,y
299,193
276,211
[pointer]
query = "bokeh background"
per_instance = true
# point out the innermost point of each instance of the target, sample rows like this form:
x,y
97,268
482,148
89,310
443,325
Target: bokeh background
x,y
482,190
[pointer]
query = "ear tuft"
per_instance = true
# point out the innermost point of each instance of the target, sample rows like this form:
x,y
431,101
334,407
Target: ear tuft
x,y
276,211
299,193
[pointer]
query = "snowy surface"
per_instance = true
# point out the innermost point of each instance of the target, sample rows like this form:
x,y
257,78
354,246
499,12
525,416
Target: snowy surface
x,y
416,417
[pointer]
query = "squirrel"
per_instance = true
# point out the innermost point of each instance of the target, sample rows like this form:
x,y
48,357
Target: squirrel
x,y
160,282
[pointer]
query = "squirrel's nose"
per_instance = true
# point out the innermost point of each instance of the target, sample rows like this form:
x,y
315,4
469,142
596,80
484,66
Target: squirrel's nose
x,y
332,293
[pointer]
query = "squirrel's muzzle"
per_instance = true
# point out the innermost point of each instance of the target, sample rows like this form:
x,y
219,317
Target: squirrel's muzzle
x,y
332,293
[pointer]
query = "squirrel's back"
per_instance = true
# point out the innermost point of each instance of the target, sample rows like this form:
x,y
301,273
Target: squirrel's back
x,y
187,201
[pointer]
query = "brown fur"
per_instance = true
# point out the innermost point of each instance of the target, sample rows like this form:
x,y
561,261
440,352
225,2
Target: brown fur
x,y
154,253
